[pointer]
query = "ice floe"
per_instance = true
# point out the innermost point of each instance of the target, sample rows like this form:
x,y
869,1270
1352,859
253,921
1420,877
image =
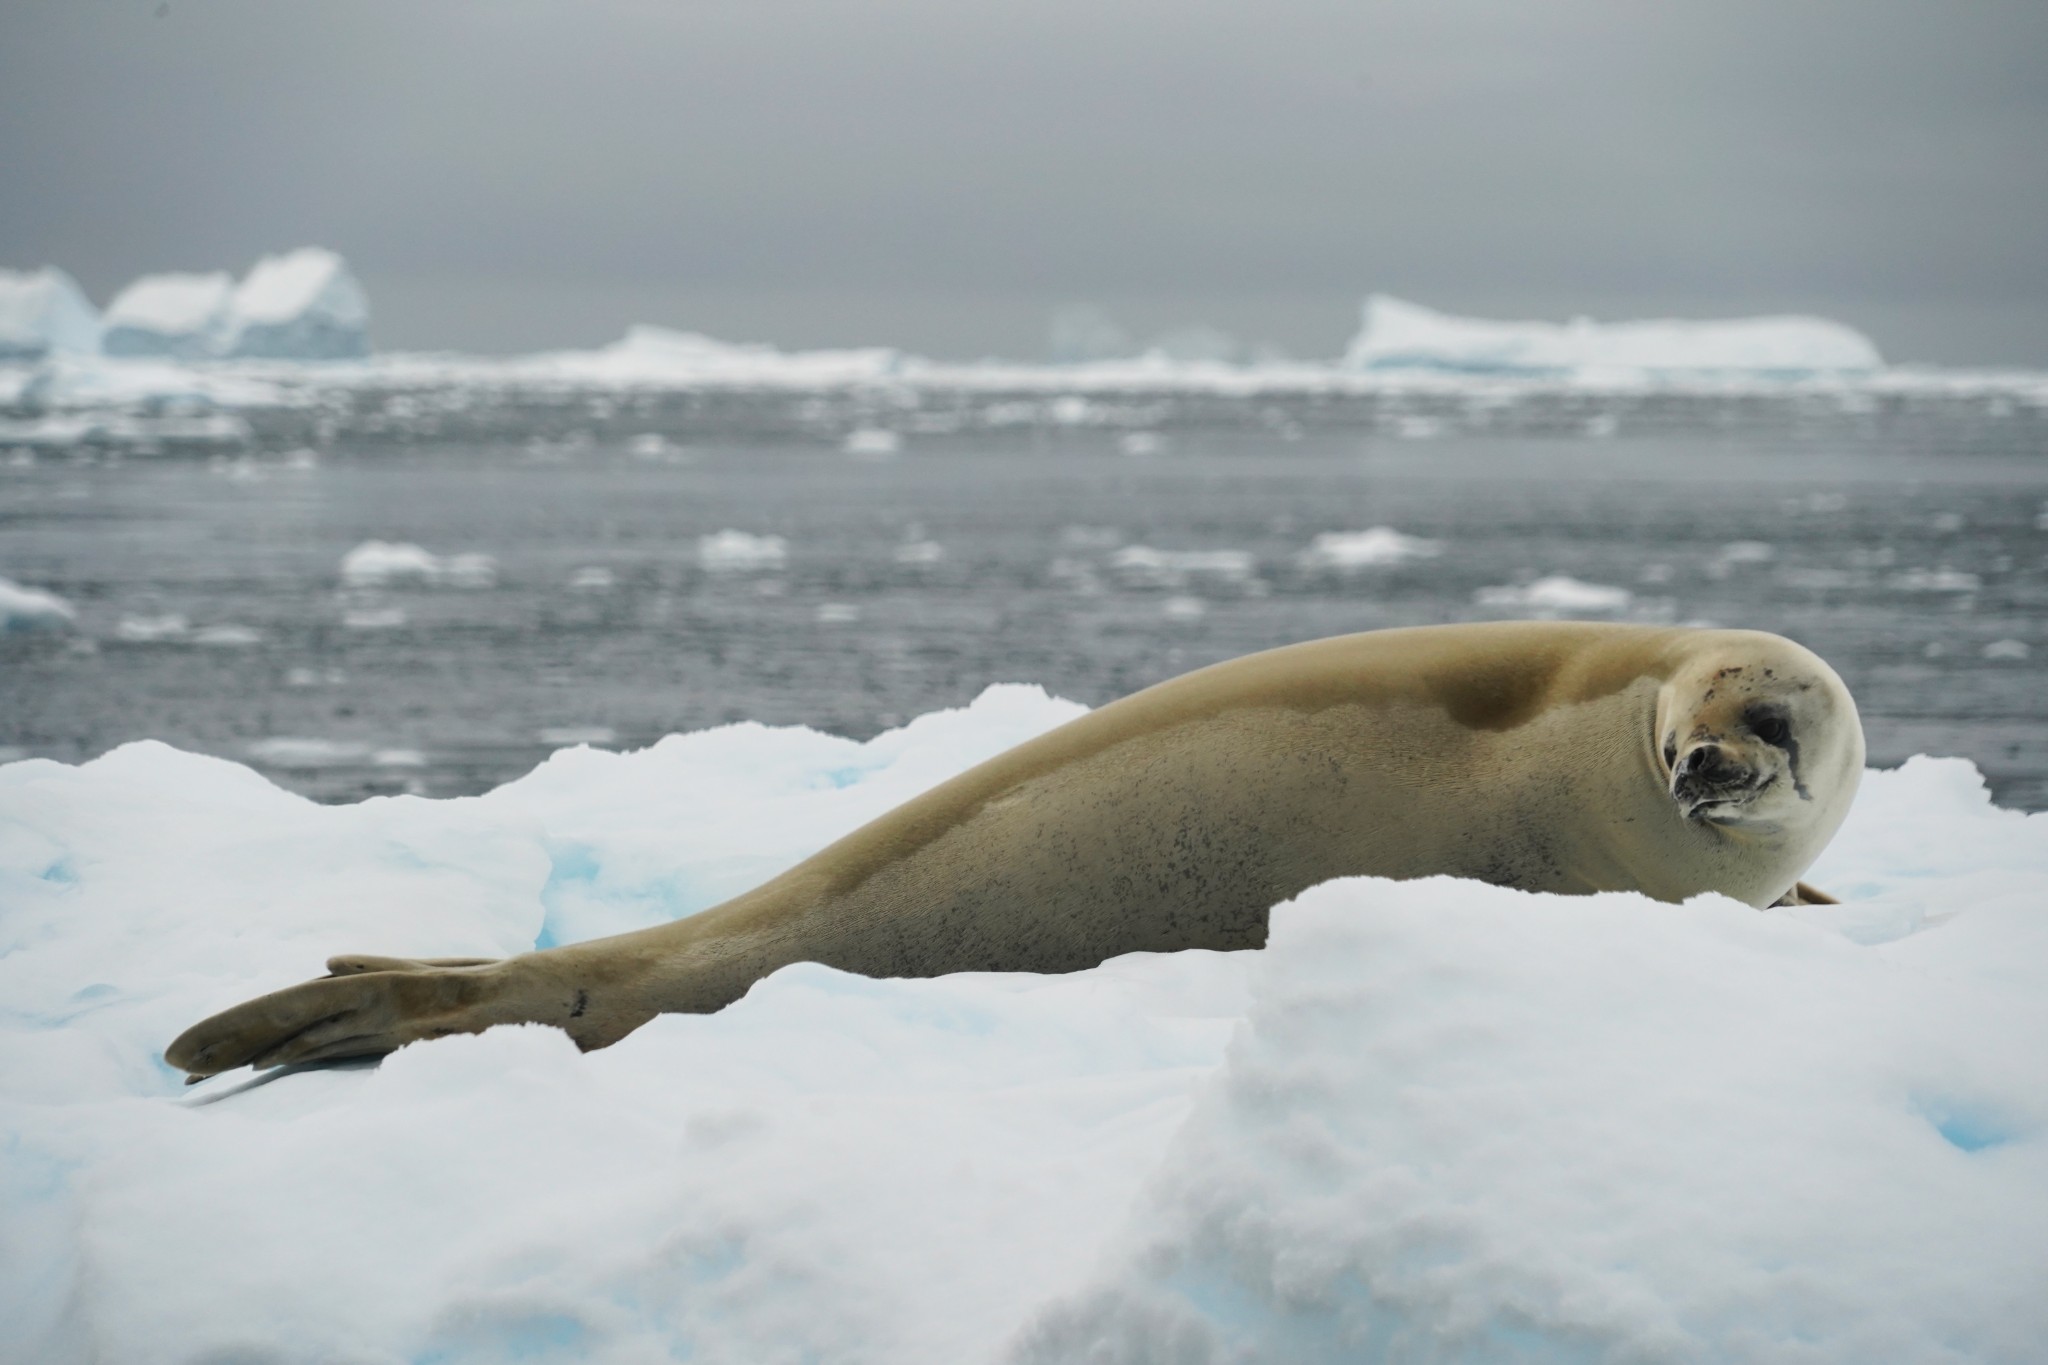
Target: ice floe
x,y
1556,595
1431,1121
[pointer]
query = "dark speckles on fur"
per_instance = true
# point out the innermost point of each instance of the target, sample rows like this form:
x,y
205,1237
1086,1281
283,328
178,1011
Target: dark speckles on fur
x,y
582,1004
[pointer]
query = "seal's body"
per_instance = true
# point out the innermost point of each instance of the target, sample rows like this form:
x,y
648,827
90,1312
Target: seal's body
x,y
1549,756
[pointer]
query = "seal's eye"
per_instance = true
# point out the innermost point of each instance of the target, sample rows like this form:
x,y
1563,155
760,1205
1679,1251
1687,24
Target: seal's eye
x,y
1770,728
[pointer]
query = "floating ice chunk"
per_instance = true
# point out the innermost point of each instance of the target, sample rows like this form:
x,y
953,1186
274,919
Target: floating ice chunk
x,y
2007,650
1141,443
304,305
164,628
918,553
1943,579
1398,334
837,614
392,564
1376,547
306,752
182,316
1141,566
373,616
43,312
731,551
380,564
1184,609
398,758
1557,595
23,610
227,636
593,578
873,443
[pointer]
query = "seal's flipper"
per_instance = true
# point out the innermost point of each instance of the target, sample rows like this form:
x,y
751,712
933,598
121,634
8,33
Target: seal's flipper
x,y
1802,894
364,1014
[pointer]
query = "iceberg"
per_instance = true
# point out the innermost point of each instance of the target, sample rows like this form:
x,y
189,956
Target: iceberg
x,y
183,316
1401,335
44,312
27,610
304,305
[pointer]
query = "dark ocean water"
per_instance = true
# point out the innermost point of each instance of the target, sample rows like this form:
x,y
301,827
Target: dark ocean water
x,y
212,614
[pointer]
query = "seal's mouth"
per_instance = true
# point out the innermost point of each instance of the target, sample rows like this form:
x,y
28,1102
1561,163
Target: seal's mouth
x,y
1711,788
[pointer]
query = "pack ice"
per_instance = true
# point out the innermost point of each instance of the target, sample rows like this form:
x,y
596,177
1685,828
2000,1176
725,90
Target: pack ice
x,y
1431,1121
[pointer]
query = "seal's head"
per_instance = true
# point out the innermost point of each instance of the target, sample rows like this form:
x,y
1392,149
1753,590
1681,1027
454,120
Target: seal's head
x,y
1758,734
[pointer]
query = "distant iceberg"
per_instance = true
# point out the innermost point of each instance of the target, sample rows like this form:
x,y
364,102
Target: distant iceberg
x,y
44,311
1401,335
304,305
183,316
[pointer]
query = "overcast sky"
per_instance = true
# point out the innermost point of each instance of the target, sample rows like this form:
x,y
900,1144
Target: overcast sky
x,y
943,174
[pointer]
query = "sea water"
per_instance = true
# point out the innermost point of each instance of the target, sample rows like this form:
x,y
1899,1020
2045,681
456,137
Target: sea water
x,y
551,584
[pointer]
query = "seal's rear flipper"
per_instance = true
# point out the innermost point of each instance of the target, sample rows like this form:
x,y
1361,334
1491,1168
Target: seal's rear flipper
x,y
1802,894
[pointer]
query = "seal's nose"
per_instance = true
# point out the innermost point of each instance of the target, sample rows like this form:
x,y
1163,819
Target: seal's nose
x,y
1709,763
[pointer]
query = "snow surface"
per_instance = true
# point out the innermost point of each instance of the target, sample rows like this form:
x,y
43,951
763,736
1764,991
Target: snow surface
x,y
31,609
1398,334
1432,1121
303,305
44,312
182,315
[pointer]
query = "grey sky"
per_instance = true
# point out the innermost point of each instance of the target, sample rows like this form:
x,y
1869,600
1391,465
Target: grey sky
x,y
942,174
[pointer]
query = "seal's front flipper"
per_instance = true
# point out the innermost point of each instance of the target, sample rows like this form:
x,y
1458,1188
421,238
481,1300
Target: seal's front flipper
x,y
1802,894
357,963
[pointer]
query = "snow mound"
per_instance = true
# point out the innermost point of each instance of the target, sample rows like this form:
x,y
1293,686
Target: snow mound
x,y
1377,547
731,551
1400,335
1454,1123
303,305
1557,595
44,312
183,316
1466,1124
23,610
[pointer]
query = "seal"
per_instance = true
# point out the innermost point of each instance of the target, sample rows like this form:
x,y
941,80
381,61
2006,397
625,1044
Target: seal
x,y
1551,756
